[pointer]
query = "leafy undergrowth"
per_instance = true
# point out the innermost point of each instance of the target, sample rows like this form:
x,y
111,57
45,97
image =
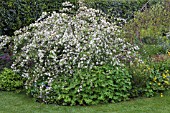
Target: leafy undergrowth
x,y
20,103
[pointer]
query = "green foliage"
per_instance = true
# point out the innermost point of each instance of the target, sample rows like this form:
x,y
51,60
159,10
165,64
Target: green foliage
x,y
19,13
157,49
147,51
102,84
151,25
119,8
157,82
161,65
9,81
147,80
139,79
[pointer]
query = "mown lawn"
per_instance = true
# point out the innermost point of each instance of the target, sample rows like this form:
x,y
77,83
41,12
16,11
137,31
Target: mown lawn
x,y
19,103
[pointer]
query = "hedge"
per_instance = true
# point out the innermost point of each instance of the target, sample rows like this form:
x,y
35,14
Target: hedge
x,y
19,13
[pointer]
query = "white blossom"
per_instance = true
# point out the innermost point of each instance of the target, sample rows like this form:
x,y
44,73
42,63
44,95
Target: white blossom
x,y
62,43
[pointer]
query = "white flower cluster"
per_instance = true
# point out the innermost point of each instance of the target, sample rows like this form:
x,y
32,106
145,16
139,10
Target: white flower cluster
x,y
120,21
4,40
67,7
61,43
168,34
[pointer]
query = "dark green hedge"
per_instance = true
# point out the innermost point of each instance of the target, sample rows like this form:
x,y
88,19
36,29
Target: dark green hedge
x,y
15,14
119,8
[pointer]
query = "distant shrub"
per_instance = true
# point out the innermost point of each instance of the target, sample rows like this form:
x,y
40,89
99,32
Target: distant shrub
x,y
9,81
148,51
150,25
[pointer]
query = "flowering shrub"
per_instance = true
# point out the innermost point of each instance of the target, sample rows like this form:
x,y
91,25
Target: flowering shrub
x,y
50,51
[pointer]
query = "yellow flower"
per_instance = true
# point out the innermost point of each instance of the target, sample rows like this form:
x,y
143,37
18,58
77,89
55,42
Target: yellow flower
x,y
167,82
164,76
159,84
154,79
169,52
162,95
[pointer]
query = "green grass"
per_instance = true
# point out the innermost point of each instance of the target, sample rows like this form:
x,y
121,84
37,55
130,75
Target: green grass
x,y
19,103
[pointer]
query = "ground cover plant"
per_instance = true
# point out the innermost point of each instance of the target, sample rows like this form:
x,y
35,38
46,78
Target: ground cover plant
x,y
82,58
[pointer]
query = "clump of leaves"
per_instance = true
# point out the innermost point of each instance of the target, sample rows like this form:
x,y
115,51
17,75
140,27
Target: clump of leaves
x,y
101,84
9,81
